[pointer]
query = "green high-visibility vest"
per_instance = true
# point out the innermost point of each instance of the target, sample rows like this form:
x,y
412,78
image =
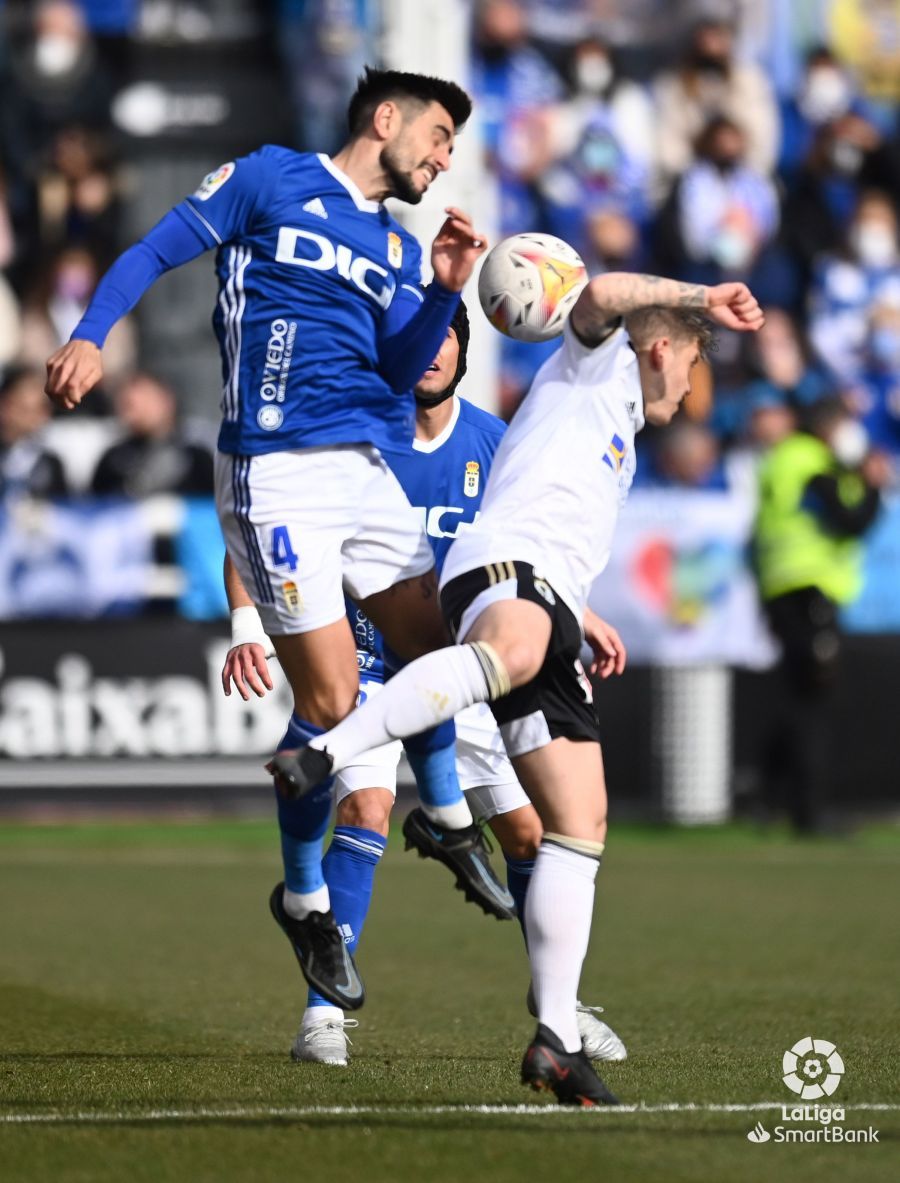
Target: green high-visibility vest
x,y
793,548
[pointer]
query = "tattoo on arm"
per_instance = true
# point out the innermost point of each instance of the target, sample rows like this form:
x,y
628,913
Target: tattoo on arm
x,y
616,294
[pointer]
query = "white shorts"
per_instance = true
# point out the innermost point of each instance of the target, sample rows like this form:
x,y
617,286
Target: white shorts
x,y
303,526
485,773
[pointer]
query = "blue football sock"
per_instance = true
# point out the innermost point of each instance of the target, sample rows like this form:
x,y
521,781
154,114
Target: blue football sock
x,y
349,868
432,757
518,876
431,754
303,823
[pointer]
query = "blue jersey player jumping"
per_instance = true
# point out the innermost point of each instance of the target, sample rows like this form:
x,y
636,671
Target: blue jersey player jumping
x,y
323,330
443,472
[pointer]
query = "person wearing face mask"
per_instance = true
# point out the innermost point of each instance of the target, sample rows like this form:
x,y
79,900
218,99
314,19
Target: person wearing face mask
x,y
709,81
818,495
721,214
604,140
854,300
826,93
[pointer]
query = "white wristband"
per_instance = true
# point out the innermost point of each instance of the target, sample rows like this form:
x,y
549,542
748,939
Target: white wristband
x,y
247,629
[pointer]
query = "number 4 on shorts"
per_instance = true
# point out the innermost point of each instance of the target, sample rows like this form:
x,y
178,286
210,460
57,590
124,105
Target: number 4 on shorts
x,y
283,554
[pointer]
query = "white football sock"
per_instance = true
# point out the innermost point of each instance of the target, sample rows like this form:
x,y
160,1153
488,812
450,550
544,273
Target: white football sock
x,y
299,904
321,1014
426,692
455,817
558,911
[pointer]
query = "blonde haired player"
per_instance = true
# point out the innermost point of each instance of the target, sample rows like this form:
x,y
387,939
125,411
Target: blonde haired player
x,y
514,590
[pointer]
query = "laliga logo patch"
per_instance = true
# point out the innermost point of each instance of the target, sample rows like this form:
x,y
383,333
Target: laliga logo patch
x,y
470,483
214,181
813,1068
395,249
270,417
615,453
292,597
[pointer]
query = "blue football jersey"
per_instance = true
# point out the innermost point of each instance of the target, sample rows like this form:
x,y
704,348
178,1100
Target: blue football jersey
x,y
307,269
444,479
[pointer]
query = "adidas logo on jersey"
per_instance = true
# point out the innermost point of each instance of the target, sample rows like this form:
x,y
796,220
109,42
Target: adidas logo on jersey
x,y
315,206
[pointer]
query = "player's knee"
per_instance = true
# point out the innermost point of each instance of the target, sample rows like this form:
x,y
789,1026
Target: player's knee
x,y
521,658
519,832
325,705
366,809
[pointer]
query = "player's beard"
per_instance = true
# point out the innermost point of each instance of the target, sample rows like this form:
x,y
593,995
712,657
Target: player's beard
x,y
400,176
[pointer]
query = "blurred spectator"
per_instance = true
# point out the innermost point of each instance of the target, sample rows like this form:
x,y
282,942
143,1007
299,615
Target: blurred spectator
x,y
613,242
27,468
711,82
605,141
825,93
847,156
778,370
515,90
55,305
819,493
686,456
154,457
338,36
77,194
55,77
722,212
853,289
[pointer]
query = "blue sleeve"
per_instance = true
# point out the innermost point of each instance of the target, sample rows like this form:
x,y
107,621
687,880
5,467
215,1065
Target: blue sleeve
x,y
413,330
227,200
170,243
220,209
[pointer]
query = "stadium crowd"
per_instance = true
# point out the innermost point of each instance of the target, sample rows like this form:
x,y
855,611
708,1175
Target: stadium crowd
x,y
704,139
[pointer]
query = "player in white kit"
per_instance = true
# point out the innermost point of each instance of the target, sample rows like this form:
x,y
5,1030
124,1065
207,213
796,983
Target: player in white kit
x,y
442,471
514,591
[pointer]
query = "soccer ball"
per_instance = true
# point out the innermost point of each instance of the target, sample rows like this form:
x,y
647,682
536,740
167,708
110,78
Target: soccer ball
x,y
528,285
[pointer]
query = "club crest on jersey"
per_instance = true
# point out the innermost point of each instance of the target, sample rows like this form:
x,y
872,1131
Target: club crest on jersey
x,y
472,478
214,181
615,453
395,249
292,598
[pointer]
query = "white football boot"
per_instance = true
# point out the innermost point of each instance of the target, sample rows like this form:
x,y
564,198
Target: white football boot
x,y
324,1042
598,1040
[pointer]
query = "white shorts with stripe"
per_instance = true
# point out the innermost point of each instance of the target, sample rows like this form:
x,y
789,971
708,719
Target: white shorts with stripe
x,y
485,773
304,526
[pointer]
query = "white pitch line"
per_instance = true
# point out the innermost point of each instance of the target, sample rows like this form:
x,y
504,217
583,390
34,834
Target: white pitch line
x,y
307,1111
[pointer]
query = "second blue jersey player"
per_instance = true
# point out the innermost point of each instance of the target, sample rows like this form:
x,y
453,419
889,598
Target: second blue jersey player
x,y
443,472
323,330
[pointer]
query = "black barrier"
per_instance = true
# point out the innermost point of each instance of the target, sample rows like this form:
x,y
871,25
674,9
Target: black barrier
x,y
97,708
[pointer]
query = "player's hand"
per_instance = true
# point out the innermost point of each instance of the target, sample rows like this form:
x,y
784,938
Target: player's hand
x,y
246,666
72,371
455,250
609,651
734,306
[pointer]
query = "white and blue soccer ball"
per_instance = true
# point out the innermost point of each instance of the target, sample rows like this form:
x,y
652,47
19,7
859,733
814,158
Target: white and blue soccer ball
x,y
529,284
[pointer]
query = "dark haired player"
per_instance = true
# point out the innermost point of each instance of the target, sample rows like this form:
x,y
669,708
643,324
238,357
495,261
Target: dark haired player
x,y
514,589
323,330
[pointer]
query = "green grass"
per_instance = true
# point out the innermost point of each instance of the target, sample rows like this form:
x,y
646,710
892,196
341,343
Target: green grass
x,y
140,971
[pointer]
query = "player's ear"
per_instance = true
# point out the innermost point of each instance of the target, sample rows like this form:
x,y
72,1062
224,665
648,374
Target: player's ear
x,y
386,119
659,353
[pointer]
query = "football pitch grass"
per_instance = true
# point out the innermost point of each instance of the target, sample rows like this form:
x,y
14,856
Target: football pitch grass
x,y
148,1002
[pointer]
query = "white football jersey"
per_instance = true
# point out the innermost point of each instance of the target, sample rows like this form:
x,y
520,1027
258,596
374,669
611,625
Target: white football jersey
x,y
562,470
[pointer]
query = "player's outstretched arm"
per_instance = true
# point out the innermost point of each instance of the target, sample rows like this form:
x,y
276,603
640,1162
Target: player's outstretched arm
x,y
76,368
245,664
611,296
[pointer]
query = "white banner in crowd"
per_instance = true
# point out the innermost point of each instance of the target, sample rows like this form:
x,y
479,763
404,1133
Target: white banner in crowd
x,y
678,586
